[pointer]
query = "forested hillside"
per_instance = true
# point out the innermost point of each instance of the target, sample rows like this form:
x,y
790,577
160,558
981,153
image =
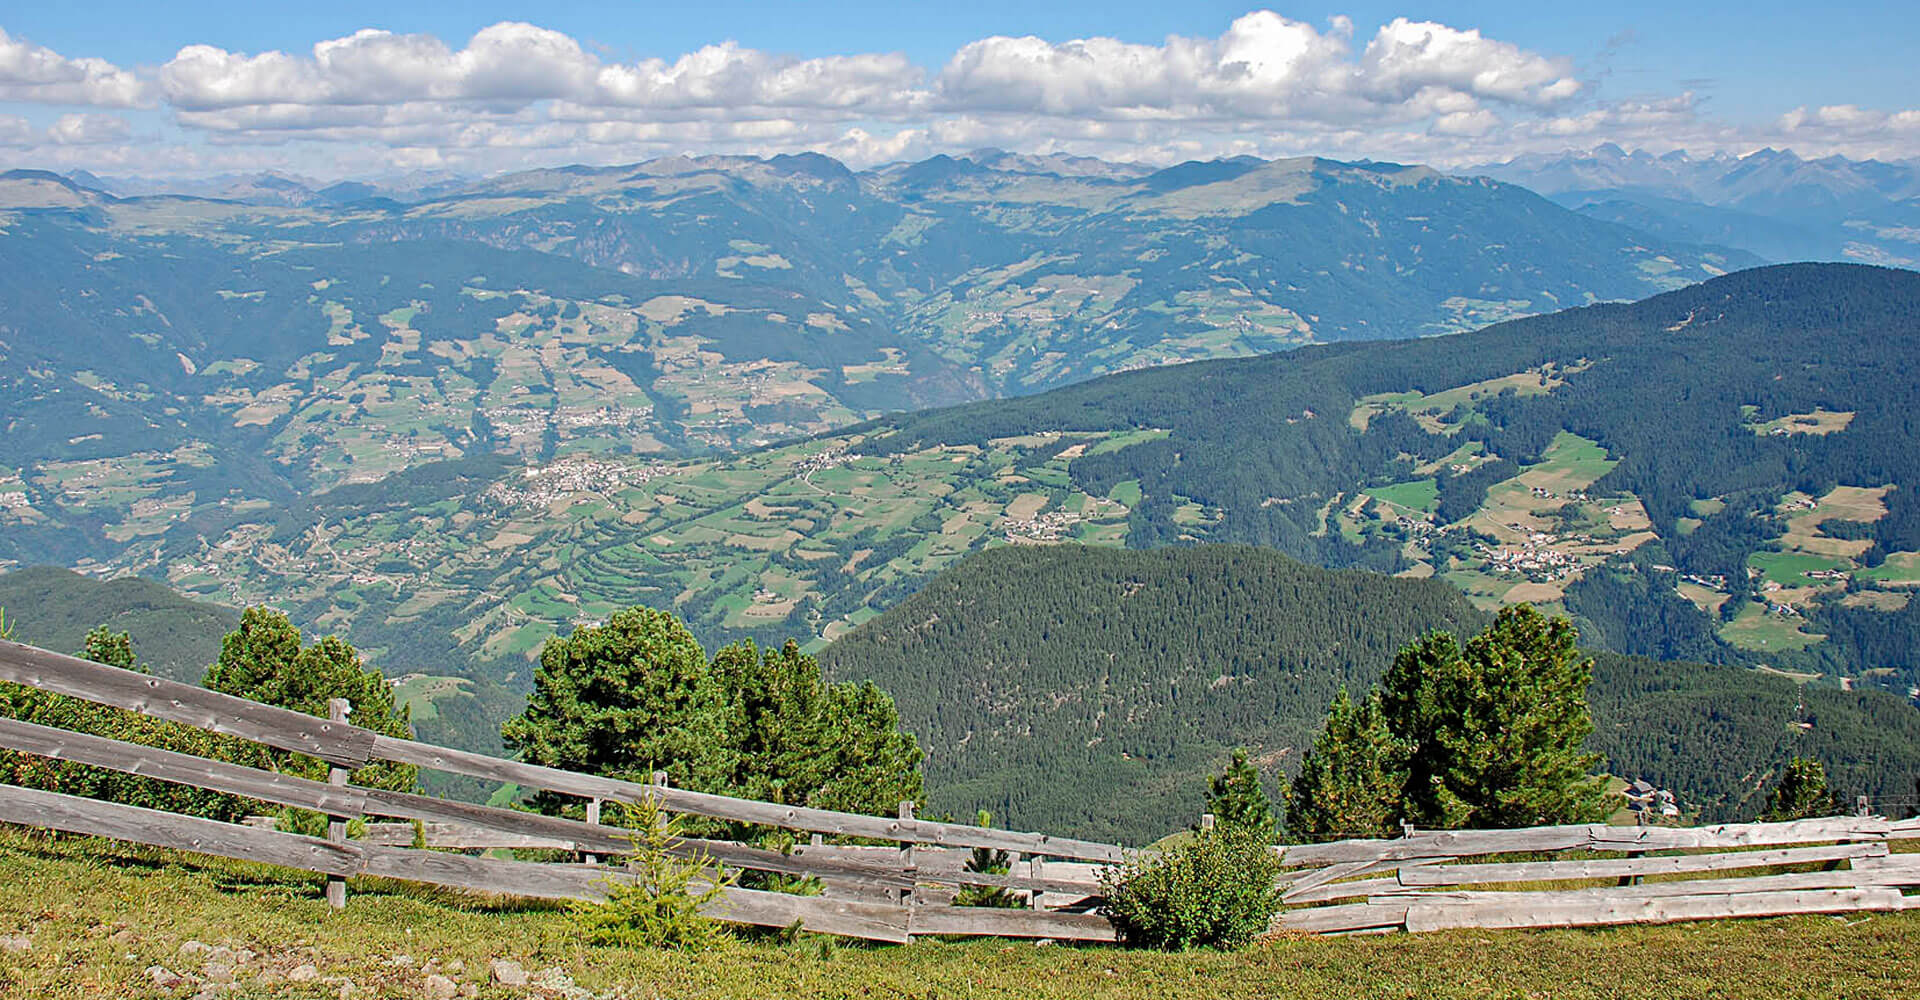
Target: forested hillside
x,y
1724,472
1091,690
54,608
1720,474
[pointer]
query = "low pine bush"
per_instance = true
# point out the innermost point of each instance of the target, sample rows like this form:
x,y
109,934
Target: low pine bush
x,y
1215,890
658,903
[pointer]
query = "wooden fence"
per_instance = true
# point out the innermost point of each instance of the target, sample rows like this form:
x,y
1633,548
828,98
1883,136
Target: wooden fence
x,y
1540,877
882,894
1592,875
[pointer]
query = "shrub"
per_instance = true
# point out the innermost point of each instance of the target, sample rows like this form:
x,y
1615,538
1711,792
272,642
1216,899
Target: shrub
x,y
1802,794
1216,889
658,904
985,861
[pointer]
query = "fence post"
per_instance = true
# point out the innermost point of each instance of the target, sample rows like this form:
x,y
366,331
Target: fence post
x,y
1862,807
659,780
337,711
593,817
1207,821
1639,819
1036,869
907,865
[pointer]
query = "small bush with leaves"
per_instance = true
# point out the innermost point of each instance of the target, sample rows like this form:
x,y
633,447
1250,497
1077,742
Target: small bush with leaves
x,y
1216,889
658,903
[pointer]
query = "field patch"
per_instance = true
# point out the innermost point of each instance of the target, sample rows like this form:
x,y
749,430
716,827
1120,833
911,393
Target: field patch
x,y
1436,411
1759,629
1421,495
418,693
1818,422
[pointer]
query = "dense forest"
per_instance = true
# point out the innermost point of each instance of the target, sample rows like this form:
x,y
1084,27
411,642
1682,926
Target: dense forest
x,y
1672,387
54,609
1087,690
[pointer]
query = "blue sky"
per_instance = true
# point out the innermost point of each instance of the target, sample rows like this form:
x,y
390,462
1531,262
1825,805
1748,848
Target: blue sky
x,y
1705,77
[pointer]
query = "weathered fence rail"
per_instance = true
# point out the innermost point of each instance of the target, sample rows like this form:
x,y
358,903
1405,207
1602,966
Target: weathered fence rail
x,y
1426,880
1746,871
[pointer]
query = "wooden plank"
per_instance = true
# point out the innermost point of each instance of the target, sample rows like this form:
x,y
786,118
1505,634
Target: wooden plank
x,y
741,906
481,826
1541,871
1894,869
70,814
53,811
57,673
1319,877
1841,879
1439,842
1356,889
737,810
740,810
1524,910
450,836
1592,836
1344,917
1806,831
489,875
986,921
180,768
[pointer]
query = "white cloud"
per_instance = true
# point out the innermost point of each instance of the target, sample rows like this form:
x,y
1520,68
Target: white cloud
x,y
88,130
516,95
36,74
513,64
1407,57
1264,66
16,132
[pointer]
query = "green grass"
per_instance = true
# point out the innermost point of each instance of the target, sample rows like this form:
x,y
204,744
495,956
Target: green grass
x,y
98,914
1788,569
1577,456
419,692
1901,568
1422,495
1753,628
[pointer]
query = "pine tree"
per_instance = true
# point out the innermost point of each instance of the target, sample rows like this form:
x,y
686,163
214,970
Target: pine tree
x,y
1237,800
115,649
264,660
987,861
638,694
1494,731
1802,794
1349,783
793,738
625,699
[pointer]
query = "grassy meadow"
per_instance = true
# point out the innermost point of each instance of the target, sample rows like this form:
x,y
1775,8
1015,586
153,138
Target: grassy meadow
x,y
96,915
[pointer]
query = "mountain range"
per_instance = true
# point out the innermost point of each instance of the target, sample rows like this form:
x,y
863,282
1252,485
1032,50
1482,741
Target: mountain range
x,y
450,418
1770,202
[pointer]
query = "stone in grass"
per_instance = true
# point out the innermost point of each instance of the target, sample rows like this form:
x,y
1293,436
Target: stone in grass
x,y
303,974
507,972
14,944
439,987
164,977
